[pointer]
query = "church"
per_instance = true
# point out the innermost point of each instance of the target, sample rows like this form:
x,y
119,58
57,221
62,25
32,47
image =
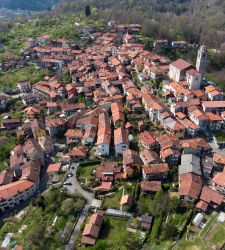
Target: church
x,y
181,70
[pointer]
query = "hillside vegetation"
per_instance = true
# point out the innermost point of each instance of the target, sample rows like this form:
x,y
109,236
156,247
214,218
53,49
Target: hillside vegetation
x,y
34,5
193,20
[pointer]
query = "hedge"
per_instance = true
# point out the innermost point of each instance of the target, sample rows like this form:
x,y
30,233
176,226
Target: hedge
x,y
156,227
89,163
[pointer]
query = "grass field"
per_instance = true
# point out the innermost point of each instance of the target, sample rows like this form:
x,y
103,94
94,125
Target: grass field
x,y
5,148
216,235
29,73
113,201
113,235
85,171
192,245
115,226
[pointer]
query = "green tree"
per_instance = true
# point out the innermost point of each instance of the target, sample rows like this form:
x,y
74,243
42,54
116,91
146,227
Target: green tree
x,y
126,110
21,139
36,235
68,205
87,10
65,77
80,99
174,204
79,204
133,243
169,232
39,201
160,203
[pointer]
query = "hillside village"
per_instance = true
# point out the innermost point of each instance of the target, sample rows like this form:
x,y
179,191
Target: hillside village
x,y
129,126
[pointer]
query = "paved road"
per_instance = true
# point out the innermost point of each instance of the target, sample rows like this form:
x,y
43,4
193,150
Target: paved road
x,y
14,96
76,230
75,187
216,149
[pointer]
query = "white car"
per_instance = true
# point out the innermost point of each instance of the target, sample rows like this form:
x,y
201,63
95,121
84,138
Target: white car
x,y
67,184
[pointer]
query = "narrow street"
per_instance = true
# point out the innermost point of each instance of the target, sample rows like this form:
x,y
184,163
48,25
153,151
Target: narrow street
x,y
75,187
76,229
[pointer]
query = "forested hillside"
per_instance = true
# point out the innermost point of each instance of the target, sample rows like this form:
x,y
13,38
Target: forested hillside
x,y
196,21
201,21
34,5
193,20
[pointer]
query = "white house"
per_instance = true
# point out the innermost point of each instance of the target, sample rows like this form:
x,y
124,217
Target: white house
x,y
16,193
55,125
194,79
199,118
121,140
103,144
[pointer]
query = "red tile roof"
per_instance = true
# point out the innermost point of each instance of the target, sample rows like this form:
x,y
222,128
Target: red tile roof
x,y
126,199
181,64
131,157
74,133
219,179
219,158
120,136
150,186
147,138
107,185
190,185
78,152
208,195
54,167
10,190
92,229
156,168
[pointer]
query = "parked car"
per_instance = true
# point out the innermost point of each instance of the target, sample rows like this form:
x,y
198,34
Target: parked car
x,y
67,184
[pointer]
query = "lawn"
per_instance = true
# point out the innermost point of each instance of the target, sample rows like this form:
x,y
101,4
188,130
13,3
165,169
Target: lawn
x,y
193,245
5,148
220,138
208,225
216,235
113,201
29,73
113,235
86,171
144,205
